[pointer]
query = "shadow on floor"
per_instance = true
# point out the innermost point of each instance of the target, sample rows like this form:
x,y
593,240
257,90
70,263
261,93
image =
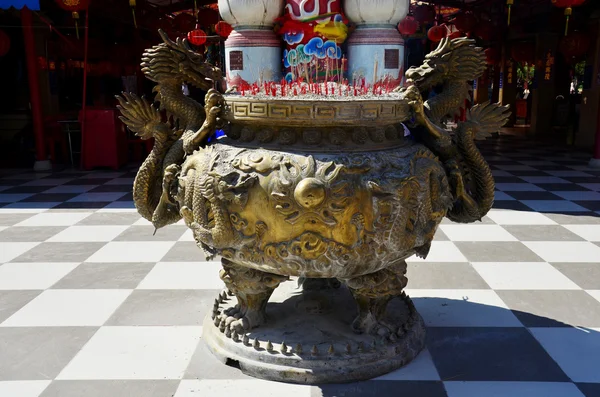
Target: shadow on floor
x,y
551,351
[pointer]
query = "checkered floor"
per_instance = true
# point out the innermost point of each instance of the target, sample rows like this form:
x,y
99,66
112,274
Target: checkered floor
x,y
92,304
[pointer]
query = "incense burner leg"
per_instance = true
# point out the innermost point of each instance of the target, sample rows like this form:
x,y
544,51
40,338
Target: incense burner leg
x,y
252,289
372,293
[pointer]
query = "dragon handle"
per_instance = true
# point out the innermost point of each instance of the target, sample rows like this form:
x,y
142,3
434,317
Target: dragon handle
x,y
186,127
453,64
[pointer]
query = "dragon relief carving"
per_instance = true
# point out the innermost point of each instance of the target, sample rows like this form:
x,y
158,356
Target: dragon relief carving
x,y
185,128
453,64
354,216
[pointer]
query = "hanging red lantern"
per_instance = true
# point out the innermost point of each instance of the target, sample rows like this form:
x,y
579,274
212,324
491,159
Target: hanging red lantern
x,y
4,43
197,36
437,33
74,6
424,13
465,21
184,22
207,16
408,26
455,35
484,30
523,52
491,55
223,29
574,45
568,6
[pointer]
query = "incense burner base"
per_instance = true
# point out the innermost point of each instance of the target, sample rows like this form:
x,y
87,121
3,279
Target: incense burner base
x,y
307,339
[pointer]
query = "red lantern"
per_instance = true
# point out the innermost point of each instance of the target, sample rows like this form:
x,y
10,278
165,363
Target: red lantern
x,y
4,43
424,13
223,29
484,30
491,56
207,16
197,36
437,33
184,22
523,52
567,5
408,26
455,35
74,6
574,45
465,21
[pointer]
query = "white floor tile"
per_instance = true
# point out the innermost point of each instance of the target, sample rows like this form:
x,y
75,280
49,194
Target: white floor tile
x,y
135,353
595,294
246,388
19,276
125,251
88,234
19,210
143,222
576,351
97,197
68,308
519,218
462,308
71,189
188,235
588,232
579,196
441,251
9,251
23,388
553,206
117,208
421,368
565,251
523,275
183,275
512,389
476,233
55,219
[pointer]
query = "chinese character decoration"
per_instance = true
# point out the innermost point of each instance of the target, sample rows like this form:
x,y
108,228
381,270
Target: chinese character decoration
x,y
313,31
549,61
509,72
74,6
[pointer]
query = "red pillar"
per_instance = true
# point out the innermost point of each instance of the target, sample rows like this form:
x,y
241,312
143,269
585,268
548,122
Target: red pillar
x,y
42,162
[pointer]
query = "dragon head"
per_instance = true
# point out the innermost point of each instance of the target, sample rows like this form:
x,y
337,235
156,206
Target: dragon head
x,y
177,60
453,59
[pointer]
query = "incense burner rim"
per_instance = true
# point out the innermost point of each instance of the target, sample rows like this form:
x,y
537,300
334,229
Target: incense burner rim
x,y
316,112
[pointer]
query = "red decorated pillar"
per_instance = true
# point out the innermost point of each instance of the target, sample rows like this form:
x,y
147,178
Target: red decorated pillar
x,y
42,163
